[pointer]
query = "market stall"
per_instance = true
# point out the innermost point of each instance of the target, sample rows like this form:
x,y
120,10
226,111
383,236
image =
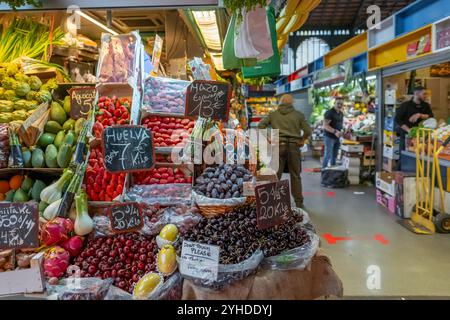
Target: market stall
x,y
102,201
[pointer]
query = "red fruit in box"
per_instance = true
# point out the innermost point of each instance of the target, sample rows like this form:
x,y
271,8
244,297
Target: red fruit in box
x,y
164,176
162,169
170,180
163,181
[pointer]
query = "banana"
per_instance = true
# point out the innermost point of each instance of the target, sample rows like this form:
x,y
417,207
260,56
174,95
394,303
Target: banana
x,y
290,7
300,22
290,24
281,23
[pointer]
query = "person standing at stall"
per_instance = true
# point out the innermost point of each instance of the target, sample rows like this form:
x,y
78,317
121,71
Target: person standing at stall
x,y
332,126
410,114
293,131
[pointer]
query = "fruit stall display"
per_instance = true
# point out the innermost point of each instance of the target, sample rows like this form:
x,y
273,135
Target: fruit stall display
x,y
262,106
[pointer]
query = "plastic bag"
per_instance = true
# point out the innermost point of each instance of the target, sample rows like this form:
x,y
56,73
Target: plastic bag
x,y
205,201
183,217
230,273
297,258
80,289
102,226
243,45
260,32
164,95
154,219
115,293
171,289
118,58
163,194
303,214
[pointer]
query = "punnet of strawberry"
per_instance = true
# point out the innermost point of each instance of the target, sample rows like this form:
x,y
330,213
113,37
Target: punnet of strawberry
x,y
111,111
168,131
161,175
102,185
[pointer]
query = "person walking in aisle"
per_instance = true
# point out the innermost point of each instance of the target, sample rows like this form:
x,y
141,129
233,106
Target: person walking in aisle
x,y
332,125
410,114
293,131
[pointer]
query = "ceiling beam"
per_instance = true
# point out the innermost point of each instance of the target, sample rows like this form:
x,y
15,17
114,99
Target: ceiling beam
x,y
353,25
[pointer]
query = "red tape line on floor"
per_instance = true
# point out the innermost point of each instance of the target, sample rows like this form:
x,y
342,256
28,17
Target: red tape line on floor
x,y
332,240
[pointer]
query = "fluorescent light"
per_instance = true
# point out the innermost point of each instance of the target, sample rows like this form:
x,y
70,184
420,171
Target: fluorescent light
x,y
207,23
217,60
98,23
371,77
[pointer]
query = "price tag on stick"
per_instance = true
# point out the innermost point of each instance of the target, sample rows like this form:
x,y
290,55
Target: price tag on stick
x,y
126,217
273,203
199,260
208,99
81,101
128,148
19,225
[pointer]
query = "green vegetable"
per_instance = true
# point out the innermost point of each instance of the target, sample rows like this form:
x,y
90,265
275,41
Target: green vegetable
x,y
35,192
20,196
35,83
22,89
59,139
53,192
57,113
79,125
45,139
66,104
64,155
53,127
69,124
37,158
26,156
42,206
27,184
9,195
51,153
43,96
69,138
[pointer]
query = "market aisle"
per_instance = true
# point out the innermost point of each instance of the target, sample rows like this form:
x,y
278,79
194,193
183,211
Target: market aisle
x,y
410,265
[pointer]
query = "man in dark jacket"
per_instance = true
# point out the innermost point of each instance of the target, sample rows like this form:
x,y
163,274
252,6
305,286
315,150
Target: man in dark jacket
x,y
410,114
332,125
293,131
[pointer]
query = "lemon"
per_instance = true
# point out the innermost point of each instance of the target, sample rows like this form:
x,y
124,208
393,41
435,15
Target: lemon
x,y
169,232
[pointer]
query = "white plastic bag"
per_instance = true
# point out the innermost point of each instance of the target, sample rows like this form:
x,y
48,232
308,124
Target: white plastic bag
x,y
243,46
260,33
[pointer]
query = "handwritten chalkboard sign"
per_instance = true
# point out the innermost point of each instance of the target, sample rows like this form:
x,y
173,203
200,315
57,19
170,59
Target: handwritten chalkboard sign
x,y
81,101
208,99
273,203
126,217
19,225
128,148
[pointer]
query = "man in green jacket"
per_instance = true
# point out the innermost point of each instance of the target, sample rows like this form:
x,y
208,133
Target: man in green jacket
x,y
293,131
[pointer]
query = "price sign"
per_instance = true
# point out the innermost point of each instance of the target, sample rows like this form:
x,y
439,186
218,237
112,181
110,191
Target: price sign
x,y
208,99
273,203
128,148
199,260
81,101
19,225
126,217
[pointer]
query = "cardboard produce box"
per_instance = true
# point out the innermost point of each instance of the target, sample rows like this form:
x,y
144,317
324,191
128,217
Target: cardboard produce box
x,y
405,194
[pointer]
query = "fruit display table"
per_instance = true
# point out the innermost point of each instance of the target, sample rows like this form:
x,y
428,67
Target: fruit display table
x,y
317,280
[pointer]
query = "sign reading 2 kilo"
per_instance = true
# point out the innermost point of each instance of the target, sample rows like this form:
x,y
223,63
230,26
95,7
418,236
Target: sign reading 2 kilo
x,y
128,148
208,99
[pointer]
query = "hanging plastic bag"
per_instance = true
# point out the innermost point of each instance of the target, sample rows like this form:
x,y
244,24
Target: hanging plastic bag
x,y
259,32
79,289
243,46
229,59
271,66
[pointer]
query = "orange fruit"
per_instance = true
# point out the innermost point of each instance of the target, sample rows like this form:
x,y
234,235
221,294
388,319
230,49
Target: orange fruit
x,y
2,197
4,186
15,182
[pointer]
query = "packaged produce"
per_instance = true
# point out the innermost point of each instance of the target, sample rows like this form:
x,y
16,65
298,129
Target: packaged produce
x,y
124,258
4,145
165,194
118,58
79,289
168,131
162,175
164,95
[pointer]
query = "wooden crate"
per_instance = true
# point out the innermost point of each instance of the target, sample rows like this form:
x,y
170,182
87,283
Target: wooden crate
x,y
25,280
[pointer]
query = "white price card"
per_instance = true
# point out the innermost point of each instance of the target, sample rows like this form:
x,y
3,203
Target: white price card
x,y
199,260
